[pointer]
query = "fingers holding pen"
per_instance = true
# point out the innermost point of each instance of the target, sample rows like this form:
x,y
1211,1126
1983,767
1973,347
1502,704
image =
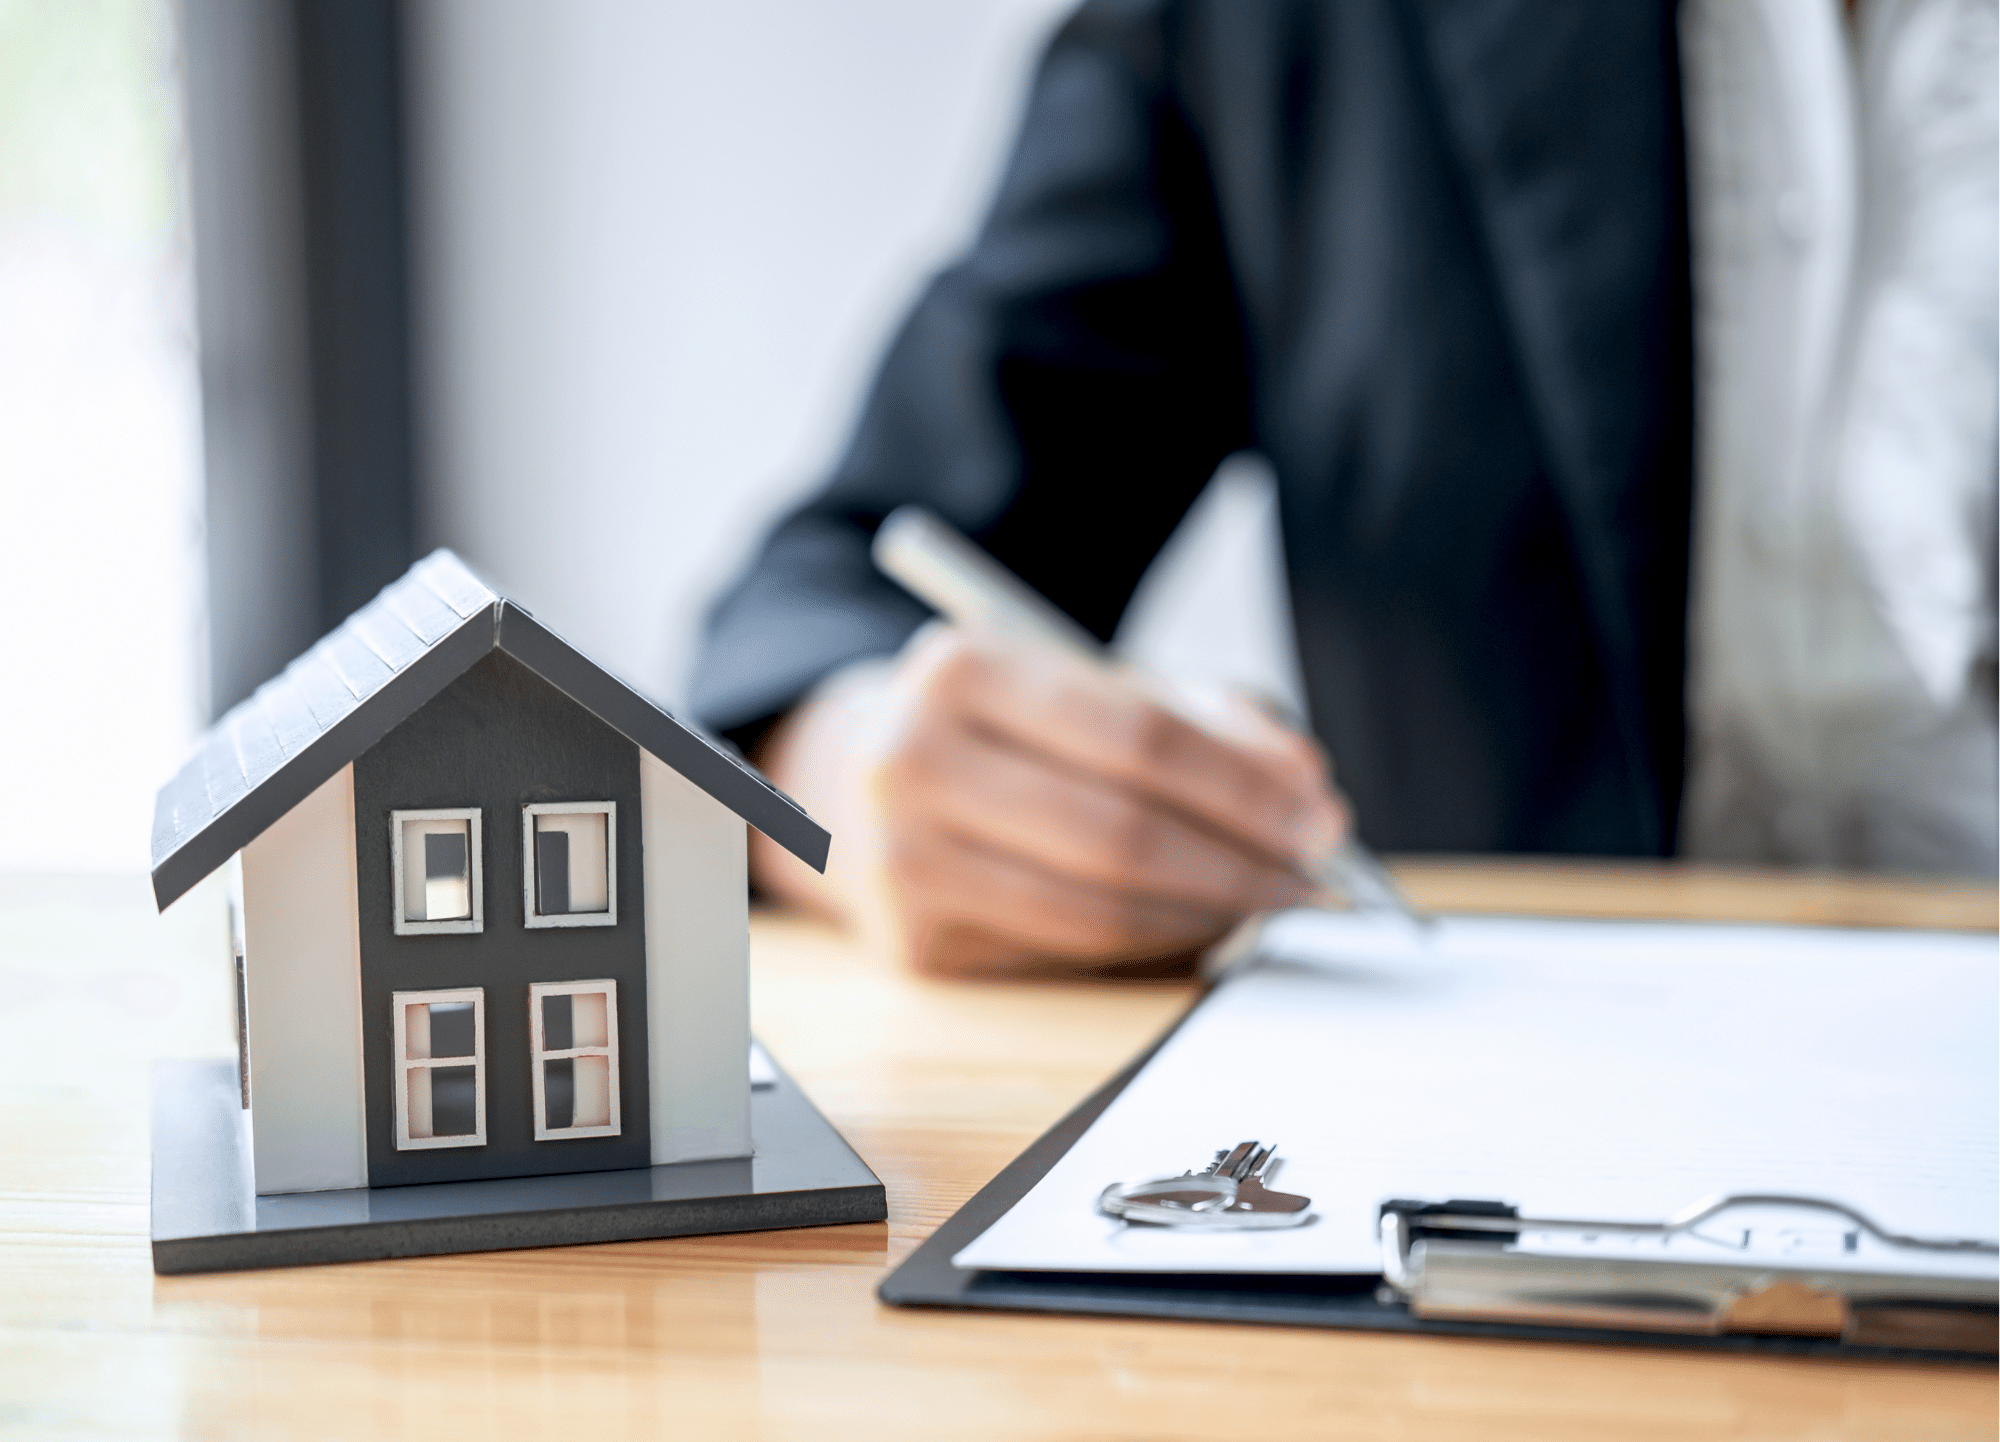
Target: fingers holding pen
x,y
1012,805
1257,784
981,787
966,910
982,832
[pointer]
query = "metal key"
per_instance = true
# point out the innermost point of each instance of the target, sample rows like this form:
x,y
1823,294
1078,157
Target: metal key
x,y
1253,1170
1229,1194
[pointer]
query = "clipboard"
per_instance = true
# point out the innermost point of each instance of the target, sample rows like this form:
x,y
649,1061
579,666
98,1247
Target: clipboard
x,y
928,1278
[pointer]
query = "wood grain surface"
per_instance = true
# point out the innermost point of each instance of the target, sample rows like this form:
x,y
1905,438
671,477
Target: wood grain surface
x,y
778,1334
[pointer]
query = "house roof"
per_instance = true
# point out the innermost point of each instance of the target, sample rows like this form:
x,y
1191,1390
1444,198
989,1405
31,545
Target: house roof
x,y
362,681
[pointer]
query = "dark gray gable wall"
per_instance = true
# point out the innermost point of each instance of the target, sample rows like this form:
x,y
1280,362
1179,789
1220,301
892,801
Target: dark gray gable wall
x,y
499,737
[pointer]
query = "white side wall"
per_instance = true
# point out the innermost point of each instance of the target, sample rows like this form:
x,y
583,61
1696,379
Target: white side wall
x,y
660,245
697,968
302,956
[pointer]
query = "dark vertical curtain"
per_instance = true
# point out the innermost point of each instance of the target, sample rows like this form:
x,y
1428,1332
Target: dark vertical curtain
x,y
297,138
351,143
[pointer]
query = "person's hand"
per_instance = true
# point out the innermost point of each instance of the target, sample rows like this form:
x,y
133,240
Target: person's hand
x,y
998,805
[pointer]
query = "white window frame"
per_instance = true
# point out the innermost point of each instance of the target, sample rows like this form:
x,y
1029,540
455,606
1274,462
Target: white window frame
x,y
608,916
404,1064
476,877
538,1053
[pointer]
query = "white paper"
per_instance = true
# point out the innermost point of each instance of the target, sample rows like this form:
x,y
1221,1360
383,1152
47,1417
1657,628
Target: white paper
x,y
1602,1070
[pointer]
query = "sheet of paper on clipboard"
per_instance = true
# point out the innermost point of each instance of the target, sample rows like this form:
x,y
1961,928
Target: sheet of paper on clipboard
x,y
1616,1070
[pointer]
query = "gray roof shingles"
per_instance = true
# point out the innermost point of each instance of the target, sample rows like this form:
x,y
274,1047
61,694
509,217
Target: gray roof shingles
x,y
370,675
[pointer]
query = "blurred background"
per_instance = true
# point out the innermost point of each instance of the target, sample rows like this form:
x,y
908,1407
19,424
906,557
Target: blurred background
x,y
292,291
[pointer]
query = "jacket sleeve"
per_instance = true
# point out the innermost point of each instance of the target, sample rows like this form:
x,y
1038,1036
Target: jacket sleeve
x,y
1061,394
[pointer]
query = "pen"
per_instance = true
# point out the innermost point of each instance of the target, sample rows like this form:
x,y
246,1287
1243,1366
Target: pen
x,y
962,582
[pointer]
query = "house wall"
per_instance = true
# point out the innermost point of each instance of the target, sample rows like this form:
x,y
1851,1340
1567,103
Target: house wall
x,y
697,968
302,960
303,964
498,738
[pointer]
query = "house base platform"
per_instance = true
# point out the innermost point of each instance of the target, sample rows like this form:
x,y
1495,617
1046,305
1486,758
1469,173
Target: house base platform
x,y
206,1217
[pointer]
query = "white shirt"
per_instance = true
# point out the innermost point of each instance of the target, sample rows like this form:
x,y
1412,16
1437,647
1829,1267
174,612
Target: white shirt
x,y
1843,197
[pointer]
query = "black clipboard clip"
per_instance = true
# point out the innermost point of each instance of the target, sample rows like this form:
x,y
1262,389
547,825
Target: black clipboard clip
x,y
1700,1272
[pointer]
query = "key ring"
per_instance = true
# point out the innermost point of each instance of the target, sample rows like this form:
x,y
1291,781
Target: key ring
x,y
1192,1200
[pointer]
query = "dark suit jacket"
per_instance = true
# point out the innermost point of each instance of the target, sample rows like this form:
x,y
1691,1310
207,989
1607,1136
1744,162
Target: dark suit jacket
x,y
1429,256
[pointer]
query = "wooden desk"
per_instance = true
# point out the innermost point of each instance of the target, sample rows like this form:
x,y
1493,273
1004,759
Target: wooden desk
x,y
778,1334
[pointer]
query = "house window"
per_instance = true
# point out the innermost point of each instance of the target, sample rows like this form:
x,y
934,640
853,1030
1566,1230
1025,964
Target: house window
x,y
435,859
569,871
440,1069
573,1030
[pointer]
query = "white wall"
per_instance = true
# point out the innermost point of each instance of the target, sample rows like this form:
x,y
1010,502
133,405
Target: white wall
x,y
697,968
661,246
302,960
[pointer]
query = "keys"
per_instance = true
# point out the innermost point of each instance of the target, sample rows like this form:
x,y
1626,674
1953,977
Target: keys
x,y
1232,1193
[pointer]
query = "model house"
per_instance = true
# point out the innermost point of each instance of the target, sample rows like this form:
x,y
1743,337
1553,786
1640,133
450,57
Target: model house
x,y
494,903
